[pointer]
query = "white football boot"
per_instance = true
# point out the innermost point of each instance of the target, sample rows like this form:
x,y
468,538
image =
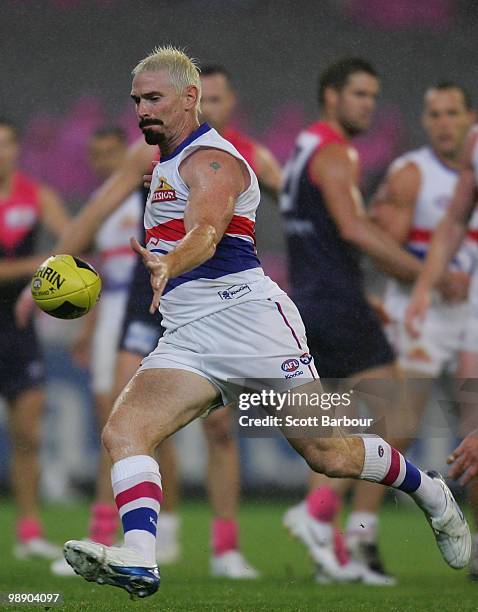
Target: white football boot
x,y
115,565
232,564
451,530
318,538
36,548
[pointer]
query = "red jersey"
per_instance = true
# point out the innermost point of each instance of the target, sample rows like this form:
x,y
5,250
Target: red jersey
x,y
245,146
19,222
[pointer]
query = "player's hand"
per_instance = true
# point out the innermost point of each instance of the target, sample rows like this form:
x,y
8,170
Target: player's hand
x,y
455,286
464,459
159,269
24,307
417,310
377,304
148,177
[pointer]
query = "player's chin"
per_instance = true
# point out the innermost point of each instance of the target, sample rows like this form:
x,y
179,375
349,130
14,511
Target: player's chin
x,y
152,138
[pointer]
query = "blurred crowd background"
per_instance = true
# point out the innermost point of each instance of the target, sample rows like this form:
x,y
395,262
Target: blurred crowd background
x,y
66,65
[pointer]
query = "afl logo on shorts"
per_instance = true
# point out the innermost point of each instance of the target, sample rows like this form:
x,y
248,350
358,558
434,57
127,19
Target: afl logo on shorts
x,y
163,192
290,365
306,358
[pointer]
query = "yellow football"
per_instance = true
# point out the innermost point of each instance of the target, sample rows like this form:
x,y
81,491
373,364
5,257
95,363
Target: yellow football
x,y
66,287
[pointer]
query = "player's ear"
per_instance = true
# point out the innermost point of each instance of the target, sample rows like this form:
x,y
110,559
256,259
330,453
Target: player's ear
x,y
191,97
331,97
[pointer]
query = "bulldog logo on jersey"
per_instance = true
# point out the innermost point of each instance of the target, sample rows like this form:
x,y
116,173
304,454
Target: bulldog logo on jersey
x,y
163,192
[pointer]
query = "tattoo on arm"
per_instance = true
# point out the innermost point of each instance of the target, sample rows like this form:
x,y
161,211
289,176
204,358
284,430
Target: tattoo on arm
x,y
215,166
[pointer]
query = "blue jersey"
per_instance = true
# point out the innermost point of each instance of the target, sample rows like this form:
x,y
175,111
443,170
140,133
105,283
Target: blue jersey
x,y
321,263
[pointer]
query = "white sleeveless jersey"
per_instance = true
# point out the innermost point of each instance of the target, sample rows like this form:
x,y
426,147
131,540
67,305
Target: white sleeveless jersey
x,y
436,189
234,273
117,259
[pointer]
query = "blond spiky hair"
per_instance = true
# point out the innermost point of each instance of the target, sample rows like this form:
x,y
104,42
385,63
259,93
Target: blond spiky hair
x,y
182,69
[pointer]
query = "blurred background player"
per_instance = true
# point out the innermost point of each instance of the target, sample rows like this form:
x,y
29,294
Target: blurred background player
x,y
141,332
327,229
409,205
218,103
445,246
97,345
25,208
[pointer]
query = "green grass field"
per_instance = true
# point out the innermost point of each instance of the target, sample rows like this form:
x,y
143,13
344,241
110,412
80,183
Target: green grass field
x,y
425,582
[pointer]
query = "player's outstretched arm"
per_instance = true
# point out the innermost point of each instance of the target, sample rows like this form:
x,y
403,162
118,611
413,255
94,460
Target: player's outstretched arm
x,y
335,170
268,170
464,459
446,239
215,180
78,235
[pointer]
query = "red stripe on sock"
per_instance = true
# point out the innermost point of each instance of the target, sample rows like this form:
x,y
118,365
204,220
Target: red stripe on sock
x,y
394,470
143,489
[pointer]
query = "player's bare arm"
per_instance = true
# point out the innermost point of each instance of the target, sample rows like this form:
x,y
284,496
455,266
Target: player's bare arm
x,y
268,169
215,180
335,170
54,218
393,205
393,208
80,232
446,239
53,213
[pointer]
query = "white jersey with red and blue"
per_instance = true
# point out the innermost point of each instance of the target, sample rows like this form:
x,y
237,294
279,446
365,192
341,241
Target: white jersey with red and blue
x,y
437,184
234,274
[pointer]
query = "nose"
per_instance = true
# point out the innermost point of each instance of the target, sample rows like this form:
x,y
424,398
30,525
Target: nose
x,y
142,109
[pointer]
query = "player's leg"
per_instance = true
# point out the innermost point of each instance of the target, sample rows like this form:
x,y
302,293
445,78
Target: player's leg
x,y
223,484
401,408
25,417
347,342
25,399
374,460
154,405
140,335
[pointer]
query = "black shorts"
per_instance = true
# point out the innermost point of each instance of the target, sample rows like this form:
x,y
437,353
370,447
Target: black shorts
x,y
344,335
21,364
141,330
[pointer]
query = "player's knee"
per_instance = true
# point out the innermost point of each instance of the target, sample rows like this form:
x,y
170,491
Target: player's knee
x,y
119,435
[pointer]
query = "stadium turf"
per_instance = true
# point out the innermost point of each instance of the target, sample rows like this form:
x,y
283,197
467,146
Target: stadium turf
x,y
425,582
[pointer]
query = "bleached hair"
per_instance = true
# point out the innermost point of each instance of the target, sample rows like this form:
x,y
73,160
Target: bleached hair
x,y
183,70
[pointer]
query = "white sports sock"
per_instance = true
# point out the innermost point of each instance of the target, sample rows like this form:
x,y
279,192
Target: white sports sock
x,y
137,488
385,465
363,526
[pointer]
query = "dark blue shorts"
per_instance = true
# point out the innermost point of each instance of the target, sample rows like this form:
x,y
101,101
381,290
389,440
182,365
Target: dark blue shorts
x,y
141,330
344,335
21,364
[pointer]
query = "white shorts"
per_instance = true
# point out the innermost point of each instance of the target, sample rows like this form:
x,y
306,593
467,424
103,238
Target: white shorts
x,y
260,341
111,310
442,338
